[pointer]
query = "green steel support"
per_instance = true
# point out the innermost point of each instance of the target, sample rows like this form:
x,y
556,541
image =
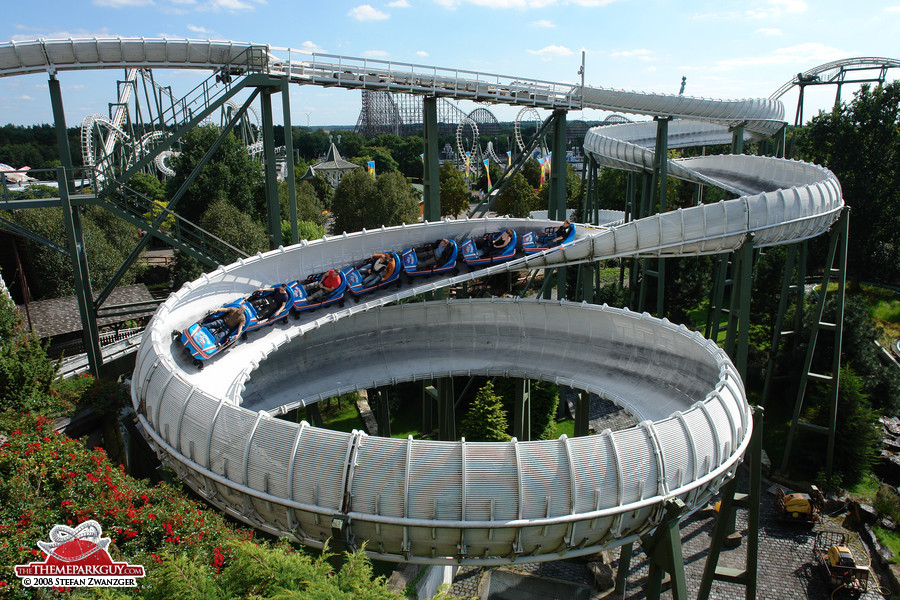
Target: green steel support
x,y
780,141
556,208
429,397
663,550
837,250
312,412
447,412
791,285
622,568
78,254
721,282
62,136
522,411
273,211
289,157
653,203
731,500
737,139
384,414
737,335
582,413
431,170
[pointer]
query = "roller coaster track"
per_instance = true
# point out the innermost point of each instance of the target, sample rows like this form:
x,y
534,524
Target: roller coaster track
x,y
465,502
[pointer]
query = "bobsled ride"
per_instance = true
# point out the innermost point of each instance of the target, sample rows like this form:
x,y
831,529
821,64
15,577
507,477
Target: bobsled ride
x,y
533,242
319,290
215,331
431,259
381,270
491,248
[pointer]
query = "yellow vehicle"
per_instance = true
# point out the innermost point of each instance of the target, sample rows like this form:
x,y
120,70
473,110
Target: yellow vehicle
x,y
845,567
798,506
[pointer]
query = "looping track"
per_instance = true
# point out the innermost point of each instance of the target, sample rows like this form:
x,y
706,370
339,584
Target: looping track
x,y
464,502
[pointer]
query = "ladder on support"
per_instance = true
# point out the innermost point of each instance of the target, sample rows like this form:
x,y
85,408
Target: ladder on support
x,y
837,251
792,286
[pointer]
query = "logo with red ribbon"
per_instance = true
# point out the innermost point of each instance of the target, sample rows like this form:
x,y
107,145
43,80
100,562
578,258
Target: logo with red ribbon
x,y
77,557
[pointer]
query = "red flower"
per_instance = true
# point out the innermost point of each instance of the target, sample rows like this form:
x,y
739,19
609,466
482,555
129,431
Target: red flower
x,y
65,503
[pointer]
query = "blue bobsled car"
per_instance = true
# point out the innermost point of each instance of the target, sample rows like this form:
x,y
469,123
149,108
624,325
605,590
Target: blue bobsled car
x,y
306,296
379,271
538,242
482,252
439,257
204,339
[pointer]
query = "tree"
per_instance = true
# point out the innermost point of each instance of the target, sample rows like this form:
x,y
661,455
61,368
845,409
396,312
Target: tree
x,y
860,143
486,419
532,172
25,370
230,175
305,231
573,189
309,207
226,222
454,193
517,199
363,203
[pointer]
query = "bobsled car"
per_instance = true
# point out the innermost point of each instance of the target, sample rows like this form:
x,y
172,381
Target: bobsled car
x,y
361,280
303,290
203,339
444,254
537,242
209,336
482,252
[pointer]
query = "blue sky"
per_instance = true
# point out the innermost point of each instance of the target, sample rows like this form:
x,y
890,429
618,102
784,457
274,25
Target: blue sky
x,y
726,49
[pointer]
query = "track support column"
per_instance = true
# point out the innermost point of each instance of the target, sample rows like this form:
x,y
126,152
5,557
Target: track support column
x,y
289,157
663,549
78,255
273,211
431,170
730,501
522,411
582,413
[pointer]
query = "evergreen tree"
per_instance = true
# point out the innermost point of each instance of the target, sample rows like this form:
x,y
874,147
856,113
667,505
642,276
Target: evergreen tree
x,y
454,194
486,419
517,199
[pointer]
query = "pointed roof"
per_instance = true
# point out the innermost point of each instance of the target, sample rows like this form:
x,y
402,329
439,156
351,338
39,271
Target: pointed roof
x,y
334,162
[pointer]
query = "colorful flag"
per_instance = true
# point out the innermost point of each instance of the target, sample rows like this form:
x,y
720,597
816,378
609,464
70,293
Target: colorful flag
x,y
422,156
487,170
371,168
467,164
508,159
543,169
547,161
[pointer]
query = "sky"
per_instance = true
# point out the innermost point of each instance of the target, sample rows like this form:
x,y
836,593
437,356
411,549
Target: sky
x,y
724,49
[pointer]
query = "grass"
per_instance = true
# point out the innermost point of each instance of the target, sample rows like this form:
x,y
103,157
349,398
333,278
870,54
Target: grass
x,y
341,414
884,306
407,421
888,538
566,426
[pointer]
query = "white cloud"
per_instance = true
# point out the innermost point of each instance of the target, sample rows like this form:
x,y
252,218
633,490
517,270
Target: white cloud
x,y
25,98
548,52
198,29
365,12
808,53
499,4
639,54
311,46
375,53
544,23
769,31
892,9
421,53
788,6
121,3
399,4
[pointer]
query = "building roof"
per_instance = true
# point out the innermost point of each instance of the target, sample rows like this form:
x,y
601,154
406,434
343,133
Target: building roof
x,y
334,162
59,316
